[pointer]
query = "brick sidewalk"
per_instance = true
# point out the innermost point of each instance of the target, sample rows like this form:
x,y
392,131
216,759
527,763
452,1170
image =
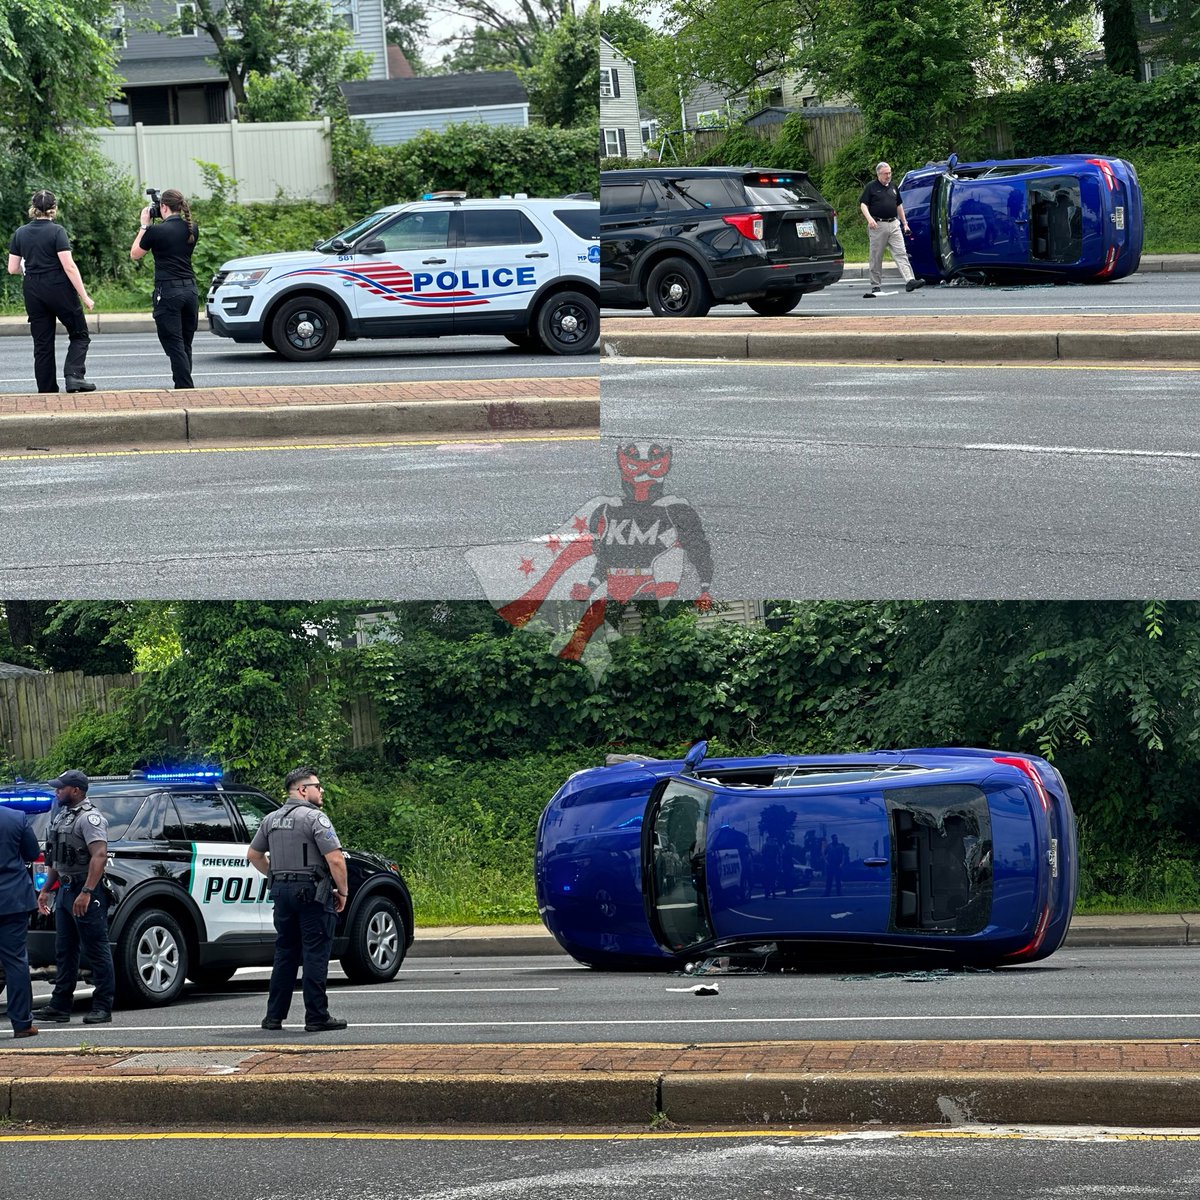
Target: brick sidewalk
x,y
736,1059
582,387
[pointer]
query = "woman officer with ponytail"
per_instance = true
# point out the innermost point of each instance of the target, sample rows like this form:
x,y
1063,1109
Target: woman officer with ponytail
x,y
176,303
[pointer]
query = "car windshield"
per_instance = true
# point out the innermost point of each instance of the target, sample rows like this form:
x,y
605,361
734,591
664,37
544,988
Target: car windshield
x,y
676,842
353,233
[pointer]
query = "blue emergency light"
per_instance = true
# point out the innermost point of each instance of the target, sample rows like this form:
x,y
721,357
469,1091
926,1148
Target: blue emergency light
x,y
28,801
183,775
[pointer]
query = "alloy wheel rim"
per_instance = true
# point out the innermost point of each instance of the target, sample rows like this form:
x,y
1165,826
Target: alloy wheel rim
x,y
383,940
157,959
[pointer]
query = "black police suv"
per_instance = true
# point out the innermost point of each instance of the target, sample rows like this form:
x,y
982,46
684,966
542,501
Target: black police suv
x,y
184,903
681,239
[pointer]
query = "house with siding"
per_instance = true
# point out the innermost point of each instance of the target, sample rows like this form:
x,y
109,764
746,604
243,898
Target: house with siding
x,y
397,110
168,80
620,121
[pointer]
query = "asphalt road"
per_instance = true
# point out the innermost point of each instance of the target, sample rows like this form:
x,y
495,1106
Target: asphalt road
x,y
1084,994
124,361
1149,293
849,1165
831,480
394,520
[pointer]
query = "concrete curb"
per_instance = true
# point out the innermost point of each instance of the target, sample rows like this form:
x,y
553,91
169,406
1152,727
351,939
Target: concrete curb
x,y
20,431
591,1098
904,345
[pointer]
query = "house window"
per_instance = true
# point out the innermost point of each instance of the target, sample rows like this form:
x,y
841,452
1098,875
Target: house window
x,y
1156,66
348,11
187,20
710,119
1159,16
117,32
650,130
610,84
614,142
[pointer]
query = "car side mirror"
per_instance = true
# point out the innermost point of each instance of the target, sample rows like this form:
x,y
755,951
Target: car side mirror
x,y
374,246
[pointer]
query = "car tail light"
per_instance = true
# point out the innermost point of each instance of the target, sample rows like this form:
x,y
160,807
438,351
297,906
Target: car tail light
x,y
1039,936
1110,261
1027,768
749,225
834,216
1105,170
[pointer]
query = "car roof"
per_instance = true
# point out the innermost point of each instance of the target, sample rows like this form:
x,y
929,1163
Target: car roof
x,y
684,172
482,201
38,795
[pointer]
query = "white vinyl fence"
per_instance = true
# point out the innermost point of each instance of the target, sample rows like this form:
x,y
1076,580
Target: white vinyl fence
x,y
293,157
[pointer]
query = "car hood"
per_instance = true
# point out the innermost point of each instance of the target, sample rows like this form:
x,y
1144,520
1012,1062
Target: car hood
x,y
283,261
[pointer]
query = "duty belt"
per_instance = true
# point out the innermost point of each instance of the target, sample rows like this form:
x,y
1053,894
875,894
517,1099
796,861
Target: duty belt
x,y
293,877
72,880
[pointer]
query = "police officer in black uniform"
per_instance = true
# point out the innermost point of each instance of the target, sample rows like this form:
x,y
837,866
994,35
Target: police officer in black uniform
x,y
297,848
53,291
76,855
176,302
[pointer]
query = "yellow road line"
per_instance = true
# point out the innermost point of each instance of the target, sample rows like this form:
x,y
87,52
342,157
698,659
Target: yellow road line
x,y
648,1135
469,441
869,364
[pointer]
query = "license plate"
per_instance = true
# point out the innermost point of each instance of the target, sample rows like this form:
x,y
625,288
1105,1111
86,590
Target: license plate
x,y
806,229
1053,856
1119,217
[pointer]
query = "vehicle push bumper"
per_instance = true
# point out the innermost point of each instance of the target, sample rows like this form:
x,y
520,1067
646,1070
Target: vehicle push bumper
x,y
250,330
764,279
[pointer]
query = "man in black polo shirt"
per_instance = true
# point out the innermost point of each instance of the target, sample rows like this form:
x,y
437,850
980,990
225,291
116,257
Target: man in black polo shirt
x,y
880,205
176,303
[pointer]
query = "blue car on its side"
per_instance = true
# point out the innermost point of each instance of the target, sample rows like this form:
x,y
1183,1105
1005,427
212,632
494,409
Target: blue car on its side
x,y
1070,217
961,855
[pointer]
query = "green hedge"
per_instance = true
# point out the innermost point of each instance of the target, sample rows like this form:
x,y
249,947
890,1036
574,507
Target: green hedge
x,y
482,160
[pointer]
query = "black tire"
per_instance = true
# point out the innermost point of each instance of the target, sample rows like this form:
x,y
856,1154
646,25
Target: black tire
x,y
777,304
151,960
378,942
676,289
268,339
568,323
208,977
305,329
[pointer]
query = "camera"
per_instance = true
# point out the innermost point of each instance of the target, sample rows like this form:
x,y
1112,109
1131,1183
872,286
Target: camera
x,y
155,209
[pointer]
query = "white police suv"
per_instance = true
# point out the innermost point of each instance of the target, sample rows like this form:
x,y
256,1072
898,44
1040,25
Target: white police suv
x,y
184,902
525,269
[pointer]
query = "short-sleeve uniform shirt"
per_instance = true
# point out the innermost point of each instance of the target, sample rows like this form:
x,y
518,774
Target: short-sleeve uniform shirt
x,y
38,243
882,200
287,832
83,826
168,240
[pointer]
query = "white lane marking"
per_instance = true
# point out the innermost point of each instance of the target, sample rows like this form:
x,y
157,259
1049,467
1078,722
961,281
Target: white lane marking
x,y
941,1019
374,990
1021,448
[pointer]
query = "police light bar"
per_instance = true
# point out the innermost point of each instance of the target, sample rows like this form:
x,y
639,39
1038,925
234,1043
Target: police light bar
x,y
183,775
444,196
27,801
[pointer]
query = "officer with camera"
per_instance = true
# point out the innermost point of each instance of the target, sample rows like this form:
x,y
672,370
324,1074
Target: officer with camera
x,y
76,855
297,848
176,302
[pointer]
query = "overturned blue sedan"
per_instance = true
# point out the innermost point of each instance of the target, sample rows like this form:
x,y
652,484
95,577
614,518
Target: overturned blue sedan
x,y
962,856
1073,218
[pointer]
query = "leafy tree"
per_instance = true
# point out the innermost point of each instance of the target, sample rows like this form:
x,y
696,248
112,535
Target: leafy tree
x,y
57,74
304,38
481,49
1121,53
564,83
509,32
407,24
1044,41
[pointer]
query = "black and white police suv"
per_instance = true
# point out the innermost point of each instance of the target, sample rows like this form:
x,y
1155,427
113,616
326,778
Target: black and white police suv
x,y
521,268
184,903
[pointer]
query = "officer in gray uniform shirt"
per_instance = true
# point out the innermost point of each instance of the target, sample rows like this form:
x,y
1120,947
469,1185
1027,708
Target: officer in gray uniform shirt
x,y
297,848
76,855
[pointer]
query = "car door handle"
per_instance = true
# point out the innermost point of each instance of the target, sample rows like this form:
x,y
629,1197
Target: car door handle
x,y
429,262
875,862
538,254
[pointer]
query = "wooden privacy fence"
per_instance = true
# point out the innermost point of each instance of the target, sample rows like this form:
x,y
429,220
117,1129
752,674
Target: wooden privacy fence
x,y
292,157
36,709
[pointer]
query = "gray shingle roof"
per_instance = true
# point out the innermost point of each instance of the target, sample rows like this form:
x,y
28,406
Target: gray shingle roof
x,y
192,69
11,671
475,89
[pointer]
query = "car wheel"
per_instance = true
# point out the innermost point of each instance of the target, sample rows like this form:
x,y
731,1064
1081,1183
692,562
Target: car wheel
x,y
305,329
777,304
377,942
268,339
675,289
151,959
207,977
568,323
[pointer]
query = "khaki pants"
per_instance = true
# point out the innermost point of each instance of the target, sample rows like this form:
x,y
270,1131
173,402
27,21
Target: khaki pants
x,y
889,234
